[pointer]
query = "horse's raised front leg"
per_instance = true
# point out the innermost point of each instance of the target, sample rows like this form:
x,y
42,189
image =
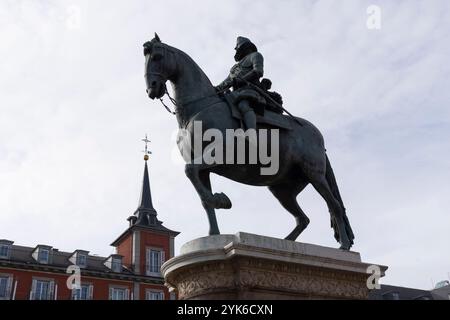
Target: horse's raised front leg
x,y
211,213
216,200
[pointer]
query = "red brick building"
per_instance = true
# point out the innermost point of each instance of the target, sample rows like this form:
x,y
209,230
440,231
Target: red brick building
x,y
133,273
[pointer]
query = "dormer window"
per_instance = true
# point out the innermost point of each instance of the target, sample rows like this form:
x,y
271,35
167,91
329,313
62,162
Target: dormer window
x,y
5,249
391,295
79,257
42,254
81,260
114,262
116,265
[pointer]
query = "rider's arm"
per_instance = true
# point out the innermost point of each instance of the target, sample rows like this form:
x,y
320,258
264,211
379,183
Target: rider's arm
x,y
258,68
225,84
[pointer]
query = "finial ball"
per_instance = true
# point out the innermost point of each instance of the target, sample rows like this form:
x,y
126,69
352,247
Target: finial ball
x,y
146,157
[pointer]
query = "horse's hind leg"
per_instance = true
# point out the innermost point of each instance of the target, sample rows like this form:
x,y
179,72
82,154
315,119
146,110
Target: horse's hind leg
x,y
286,194
320,183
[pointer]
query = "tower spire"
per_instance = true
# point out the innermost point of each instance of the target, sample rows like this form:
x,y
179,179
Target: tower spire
x,y
145,201
143,221
145,214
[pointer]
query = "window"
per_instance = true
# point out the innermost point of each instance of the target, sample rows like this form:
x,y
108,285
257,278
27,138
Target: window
x,y
116,293
395,296
83,293
81,260
4,251
154,295
5,287
116,265
42,290
43,255
391,296
155,258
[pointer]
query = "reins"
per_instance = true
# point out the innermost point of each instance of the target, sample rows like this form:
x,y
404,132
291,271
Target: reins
x,y
171,100
174,102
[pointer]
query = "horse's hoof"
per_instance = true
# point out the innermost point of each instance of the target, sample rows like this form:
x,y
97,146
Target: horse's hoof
x,y
295,233
291,237
221,201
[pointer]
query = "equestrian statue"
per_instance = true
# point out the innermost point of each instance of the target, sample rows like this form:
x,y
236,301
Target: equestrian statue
x,y
251,106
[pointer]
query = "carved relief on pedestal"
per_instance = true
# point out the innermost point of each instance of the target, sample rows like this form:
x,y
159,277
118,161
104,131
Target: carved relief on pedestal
x,y
250,274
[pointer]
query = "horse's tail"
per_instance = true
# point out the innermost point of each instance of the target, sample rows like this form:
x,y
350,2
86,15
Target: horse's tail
x,y
329,175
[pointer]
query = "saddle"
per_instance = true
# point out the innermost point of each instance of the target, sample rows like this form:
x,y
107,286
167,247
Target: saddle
x,y
264,114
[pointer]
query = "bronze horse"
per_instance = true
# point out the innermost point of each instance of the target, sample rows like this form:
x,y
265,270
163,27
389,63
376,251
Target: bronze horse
x,y
302,155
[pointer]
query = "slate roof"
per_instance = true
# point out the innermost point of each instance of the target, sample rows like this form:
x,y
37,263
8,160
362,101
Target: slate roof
x,y
23,255
388,292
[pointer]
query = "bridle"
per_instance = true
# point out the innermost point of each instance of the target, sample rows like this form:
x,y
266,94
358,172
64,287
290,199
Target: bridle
x,y
161,50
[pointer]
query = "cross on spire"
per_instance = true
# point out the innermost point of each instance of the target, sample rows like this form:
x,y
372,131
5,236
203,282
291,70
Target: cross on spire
x,y
146,151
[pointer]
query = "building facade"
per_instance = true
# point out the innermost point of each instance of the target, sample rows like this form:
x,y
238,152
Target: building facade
x,y
132,273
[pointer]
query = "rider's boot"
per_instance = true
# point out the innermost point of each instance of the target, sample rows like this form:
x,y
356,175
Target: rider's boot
x,y
248,114
250,120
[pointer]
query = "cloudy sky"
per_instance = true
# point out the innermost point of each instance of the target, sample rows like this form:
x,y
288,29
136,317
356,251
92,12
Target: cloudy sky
x,y
73,110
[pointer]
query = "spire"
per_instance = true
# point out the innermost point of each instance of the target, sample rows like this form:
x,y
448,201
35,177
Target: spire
x,y
145,202
145,214
144,218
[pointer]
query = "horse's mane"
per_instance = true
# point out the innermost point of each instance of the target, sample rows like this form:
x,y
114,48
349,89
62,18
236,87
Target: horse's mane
x,y
150,45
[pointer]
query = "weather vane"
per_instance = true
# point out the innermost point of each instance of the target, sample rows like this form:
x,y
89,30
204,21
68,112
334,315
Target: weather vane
x,y
146,151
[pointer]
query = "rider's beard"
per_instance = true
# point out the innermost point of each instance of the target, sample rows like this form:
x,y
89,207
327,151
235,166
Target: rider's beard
x,y
237,56
244,50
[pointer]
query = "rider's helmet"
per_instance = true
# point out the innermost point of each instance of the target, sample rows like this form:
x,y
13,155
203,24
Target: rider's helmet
x,y
244,46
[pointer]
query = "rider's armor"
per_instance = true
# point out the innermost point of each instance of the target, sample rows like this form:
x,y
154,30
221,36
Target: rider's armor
x,y
249,67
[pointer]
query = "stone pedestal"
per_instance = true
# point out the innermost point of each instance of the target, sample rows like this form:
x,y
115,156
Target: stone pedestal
x,y
248,266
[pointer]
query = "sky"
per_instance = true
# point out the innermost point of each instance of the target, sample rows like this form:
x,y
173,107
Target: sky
x,y
73,111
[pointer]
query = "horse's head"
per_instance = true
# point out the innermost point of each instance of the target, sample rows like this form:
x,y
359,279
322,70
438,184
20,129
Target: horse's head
x,y
158,67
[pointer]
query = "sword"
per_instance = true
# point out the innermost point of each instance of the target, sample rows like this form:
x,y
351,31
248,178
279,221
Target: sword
x,y
266,95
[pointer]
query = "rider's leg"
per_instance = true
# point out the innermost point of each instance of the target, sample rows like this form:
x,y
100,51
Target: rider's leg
x,y
248,114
